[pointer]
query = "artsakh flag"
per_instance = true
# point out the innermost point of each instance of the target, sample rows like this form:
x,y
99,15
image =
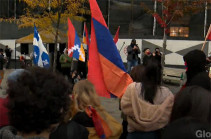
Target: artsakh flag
x,y
116,37
106,69
75,48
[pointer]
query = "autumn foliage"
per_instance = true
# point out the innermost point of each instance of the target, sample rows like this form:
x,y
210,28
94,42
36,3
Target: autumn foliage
x,y
173,10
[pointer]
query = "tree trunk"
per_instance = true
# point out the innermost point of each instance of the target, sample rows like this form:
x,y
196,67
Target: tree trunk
x,y
154,24
164,48
164,53
205,19
56,38
56,41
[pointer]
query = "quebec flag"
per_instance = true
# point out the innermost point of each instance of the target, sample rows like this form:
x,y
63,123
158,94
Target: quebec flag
x,y
40,55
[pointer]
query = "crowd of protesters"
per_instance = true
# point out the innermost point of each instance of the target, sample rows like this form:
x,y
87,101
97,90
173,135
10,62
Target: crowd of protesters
x,y
41,104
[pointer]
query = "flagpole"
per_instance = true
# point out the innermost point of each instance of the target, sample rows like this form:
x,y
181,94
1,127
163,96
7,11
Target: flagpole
x,y
84,29
15,55
206,38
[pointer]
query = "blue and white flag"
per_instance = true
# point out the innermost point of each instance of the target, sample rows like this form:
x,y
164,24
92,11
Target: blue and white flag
x,y
40,55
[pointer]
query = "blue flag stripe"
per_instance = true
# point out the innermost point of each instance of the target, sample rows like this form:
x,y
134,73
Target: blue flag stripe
x,y
106,45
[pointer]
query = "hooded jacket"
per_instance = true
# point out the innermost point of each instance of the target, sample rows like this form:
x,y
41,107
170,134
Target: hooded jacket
x,y
142,115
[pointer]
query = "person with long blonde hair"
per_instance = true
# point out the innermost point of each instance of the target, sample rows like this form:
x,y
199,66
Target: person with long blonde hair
x,y
87,111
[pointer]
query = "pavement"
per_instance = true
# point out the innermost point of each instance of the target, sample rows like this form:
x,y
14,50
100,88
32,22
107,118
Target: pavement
x,y
111,105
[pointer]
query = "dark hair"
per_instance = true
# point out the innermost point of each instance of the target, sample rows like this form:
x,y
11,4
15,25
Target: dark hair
x,y
38,99
185,128
157,48
133,40
137,73
145,49
196,62
151,80
192,102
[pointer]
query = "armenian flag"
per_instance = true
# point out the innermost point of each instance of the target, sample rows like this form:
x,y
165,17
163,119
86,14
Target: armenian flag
x,y
106,69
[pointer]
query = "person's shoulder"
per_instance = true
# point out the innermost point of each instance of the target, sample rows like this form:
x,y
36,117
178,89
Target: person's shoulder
x,y
166,91
74,125
132,85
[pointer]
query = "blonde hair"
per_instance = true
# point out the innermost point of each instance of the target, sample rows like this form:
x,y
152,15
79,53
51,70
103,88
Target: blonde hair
x,y
85,95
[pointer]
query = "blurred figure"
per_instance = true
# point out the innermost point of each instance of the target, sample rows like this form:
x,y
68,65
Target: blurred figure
x,y
137,73
65,61
69,129
11,78
147,56
8,52
22,62
4,121
147,104
2,61
75,77
132,55
202,79
186,128
195,62
88,112
192,102
157,55
37,102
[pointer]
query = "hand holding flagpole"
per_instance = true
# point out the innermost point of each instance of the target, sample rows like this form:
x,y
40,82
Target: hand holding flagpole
x,y
208,36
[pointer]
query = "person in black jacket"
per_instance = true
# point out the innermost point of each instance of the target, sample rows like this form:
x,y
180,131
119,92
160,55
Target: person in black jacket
x,y
132,57
8,52
1,59
157,55
147,56
70,130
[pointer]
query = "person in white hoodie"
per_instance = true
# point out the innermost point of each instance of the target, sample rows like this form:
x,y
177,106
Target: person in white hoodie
x,y
147,104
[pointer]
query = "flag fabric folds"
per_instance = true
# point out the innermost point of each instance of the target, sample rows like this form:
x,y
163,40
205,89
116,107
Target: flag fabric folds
x,y
40,54
75,47
86,40
86,36
116,37
106,69
209,34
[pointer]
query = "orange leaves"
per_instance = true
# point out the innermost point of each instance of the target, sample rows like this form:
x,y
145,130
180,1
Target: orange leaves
x,y
175,10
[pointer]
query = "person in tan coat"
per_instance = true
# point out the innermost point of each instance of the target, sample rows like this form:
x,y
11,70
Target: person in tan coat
x,y
147,104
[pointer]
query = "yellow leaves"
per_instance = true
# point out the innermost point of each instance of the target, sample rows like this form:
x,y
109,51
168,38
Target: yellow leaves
x,y
9,20
36,3
37,11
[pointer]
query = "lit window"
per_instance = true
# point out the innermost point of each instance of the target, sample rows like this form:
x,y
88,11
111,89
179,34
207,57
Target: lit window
x,y
179,31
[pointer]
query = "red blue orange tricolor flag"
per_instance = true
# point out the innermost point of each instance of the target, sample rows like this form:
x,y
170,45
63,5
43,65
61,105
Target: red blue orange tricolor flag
x,y
106,69
75,48
86,36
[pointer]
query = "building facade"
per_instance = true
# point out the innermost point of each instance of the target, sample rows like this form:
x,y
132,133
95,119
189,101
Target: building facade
x,y
133,20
